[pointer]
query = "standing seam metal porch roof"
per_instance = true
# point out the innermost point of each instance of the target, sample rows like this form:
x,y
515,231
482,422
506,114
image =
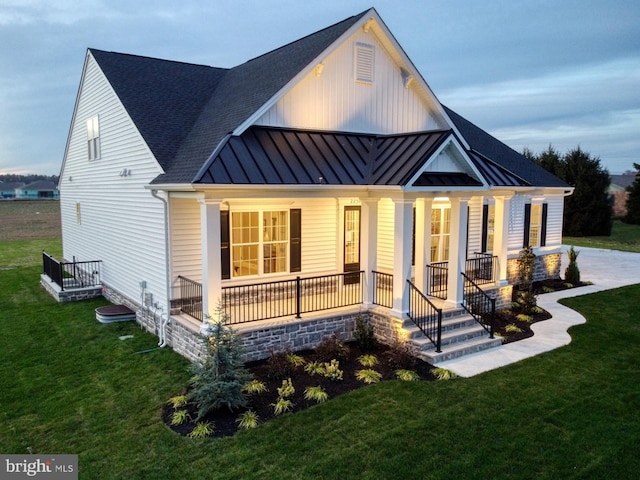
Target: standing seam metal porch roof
x,y
278,156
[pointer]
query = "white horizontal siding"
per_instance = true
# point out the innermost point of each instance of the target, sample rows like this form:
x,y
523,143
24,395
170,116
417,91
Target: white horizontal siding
x,y
385,236
516,222
335,101
186,244
475,226
122,224
319,235
554,220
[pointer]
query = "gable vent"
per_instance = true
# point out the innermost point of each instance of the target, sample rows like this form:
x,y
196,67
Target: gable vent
x,y
363,65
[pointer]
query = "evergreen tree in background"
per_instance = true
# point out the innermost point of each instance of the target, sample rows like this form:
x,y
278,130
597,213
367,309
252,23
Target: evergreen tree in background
x,y
633,200
587,212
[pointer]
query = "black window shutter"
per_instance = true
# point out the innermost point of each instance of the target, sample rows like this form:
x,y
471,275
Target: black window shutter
x,y
225,251
485,227
543,227
295,247
527,224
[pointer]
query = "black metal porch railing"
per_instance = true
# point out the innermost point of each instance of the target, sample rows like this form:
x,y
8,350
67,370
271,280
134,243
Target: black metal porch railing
x,y
263,301
382,289
482,269
71,274
190,301
437,279
479,305
425,315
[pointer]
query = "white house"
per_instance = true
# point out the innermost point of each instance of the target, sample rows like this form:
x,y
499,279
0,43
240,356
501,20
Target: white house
x,y
311,184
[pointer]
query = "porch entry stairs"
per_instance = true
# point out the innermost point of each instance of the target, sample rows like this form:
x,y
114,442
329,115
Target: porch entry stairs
x,y
461,335
438,334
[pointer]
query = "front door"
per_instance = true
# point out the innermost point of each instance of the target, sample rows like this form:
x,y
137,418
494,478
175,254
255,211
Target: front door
x,y
352,243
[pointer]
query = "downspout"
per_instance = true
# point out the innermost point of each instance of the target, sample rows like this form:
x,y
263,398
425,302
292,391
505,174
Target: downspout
x,y
164,316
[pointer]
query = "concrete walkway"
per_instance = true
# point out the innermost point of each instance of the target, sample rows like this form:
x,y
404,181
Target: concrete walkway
x,y
607,269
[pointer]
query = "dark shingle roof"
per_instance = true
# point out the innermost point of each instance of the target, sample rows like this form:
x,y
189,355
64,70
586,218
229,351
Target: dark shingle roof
x,y
162,97
40,185
277,156
242,91
502,155
186,112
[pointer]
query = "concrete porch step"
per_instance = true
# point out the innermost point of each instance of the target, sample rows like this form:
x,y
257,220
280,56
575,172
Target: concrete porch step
x,y
460,349
461,335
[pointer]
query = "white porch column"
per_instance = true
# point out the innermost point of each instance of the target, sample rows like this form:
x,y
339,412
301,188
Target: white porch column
x,y
423,242
369,247
211,269
402,229
457,249
501,235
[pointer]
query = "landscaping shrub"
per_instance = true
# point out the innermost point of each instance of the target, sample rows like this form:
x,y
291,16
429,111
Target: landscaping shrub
x,y
363,334
219,378
572,273
331,348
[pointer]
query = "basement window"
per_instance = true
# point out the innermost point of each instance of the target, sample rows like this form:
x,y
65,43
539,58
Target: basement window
x,y
364,56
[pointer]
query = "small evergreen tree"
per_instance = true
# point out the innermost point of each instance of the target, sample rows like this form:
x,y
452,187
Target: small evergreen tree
x,y
572,273
219,377
526,268
633,199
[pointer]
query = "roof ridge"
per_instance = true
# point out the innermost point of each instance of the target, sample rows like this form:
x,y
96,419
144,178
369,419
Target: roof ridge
x,y
146,57
352,18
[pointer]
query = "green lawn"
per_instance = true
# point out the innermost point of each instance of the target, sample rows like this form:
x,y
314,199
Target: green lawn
x,y
70,385
623,237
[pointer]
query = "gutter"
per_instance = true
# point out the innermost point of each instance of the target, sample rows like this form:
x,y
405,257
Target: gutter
x,y
164,317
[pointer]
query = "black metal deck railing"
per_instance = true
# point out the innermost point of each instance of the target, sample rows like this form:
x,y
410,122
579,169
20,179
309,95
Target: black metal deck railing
x,y
479,304
482,268
74,274
268,300
437,279
382,289
190,301
425,315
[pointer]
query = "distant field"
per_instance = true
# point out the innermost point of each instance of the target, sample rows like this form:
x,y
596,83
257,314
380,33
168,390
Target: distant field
x,y
29,220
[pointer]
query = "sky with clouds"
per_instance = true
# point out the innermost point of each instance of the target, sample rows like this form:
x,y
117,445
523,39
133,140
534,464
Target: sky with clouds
x,y
530,72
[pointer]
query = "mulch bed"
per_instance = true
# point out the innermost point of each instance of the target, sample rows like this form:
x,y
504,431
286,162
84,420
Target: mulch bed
x,y
224,421
390,359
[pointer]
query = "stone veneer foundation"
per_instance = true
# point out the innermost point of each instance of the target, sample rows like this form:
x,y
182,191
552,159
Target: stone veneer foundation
x,y
260,339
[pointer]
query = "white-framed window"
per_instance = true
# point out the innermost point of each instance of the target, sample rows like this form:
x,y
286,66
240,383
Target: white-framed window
x,y
535,228
259,242
364,62
93,137
440,233
488,227
535,224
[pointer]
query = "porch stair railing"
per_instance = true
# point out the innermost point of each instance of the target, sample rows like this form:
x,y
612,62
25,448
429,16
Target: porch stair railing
x,y
425,315
479,304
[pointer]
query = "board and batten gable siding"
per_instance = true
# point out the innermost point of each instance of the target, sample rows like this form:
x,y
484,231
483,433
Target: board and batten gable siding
x,y
119,221
334,100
